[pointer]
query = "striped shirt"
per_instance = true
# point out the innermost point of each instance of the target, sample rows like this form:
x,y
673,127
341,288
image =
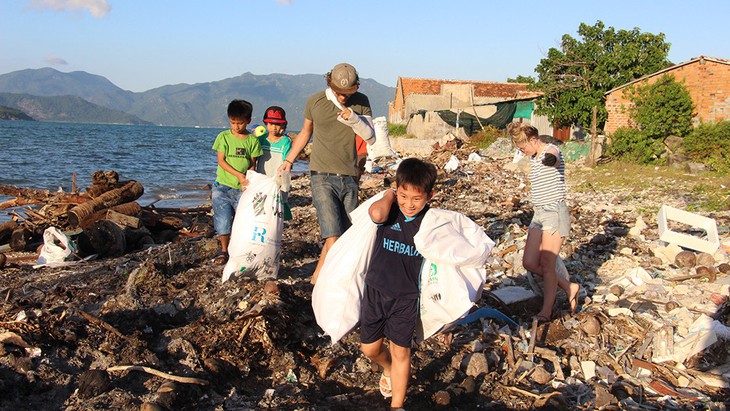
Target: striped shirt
x,y
548,183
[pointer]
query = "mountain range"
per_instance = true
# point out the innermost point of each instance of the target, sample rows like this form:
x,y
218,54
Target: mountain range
x,y
50,95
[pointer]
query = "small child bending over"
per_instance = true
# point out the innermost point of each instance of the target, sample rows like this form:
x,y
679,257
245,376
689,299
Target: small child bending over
x,y
551,220
390,302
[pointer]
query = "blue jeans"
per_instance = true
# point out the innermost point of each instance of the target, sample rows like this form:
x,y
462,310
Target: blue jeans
x,y
225,200
334,197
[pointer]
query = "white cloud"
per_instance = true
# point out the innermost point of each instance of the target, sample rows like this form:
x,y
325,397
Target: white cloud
x,y
58,61
97,8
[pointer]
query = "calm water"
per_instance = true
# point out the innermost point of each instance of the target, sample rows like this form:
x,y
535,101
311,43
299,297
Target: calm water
x,y
173,164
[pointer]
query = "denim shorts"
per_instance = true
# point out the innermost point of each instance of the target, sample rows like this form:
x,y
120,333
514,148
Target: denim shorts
x,y
552,217
334,197
225,200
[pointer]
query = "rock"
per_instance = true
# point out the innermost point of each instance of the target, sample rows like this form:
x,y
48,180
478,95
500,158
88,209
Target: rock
x,y
469,385
271,287
476,364
3,260
591,326
603,396
616,290
685,259
724,268
442,398
93,383
150,406
540,375
705,259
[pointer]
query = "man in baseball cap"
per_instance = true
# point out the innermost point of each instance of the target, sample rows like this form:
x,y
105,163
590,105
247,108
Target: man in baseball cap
x,y
332,118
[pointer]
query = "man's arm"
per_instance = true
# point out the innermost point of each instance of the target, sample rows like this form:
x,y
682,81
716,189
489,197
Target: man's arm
x,y
297,145
380,210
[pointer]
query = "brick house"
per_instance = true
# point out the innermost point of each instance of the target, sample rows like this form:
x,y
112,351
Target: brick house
x,y
706,78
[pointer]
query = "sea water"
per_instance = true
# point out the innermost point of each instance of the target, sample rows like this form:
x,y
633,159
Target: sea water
x,y
175,165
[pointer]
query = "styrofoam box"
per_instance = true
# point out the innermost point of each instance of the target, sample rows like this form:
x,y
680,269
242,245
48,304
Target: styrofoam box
x,y
710,244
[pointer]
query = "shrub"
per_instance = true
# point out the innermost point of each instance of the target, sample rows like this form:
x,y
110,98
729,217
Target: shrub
x,y
396,129
634,145
484,138
710,144
662,109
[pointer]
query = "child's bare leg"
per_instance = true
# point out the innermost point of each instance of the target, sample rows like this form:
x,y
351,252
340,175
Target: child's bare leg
x,y
399,373
378,353
549,249
224,240
328,243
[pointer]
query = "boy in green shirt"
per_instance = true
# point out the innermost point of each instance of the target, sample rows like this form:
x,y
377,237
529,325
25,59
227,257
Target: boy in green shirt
x,y
237,151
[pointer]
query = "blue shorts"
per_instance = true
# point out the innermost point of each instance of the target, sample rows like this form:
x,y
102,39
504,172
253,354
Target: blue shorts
x,y
225,200
552,217
382,316
334,197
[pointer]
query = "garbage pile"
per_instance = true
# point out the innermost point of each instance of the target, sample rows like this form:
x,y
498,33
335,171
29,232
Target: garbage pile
x,y
102,221
156,329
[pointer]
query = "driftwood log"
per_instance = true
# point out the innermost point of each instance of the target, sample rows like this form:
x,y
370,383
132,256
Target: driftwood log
x,y
25,196
130,209
128,193
6,229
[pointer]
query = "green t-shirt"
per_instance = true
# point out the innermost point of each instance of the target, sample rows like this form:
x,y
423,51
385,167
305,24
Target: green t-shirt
x,y
333,144
239,152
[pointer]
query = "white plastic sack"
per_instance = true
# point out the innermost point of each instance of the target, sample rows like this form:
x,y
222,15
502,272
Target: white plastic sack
x,y
57,247
339,289
381,147
452,164
452,276
256,233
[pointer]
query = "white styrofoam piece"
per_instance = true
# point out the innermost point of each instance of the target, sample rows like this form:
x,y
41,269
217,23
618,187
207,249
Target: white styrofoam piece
x,y
709,245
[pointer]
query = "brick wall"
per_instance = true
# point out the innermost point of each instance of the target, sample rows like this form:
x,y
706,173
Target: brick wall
x,y
707,81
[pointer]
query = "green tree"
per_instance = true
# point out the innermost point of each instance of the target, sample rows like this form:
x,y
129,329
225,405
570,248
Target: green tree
x,y
576,76
663,108
521,79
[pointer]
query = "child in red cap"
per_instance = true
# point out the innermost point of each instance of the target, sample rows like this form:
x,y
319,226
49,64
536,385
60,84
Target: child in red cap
x,y
276,146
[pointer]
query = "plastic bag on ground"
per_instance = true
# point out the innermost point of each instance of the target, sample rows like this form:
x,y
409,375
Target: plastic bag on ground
x,y
256,233
57,247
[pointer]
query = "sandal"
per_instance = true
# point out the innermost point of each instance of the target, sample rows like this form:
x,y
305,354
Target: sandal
x,y
220,258
384,386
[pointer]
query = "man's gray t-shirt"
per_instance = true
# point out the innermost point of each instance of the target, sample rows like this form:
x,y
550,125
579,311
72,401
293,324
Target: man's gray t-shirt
x,y
333,144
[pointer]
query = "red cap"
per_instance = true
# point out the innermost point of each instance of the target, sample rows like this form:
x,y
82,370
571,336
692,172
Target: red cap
x,y
275,115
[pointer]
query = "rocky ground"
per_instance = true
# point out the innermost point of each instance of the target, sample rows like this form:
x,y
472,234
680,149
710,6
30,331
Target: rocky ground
x,y
70,335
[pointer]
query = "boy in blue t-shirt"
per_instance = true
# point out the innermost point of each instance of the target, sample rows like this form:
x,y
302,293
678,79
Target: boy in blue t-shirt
x,y
390,302
236,152
275,146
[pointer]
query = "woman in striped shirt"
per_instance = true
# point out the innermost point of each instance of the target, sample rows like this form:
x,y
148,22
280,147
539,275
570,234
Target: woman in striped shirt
x,y
551,221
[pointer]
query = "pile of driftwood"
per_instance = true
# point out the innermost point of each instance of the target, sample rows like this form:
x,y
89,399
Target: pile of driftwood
x,y
105,219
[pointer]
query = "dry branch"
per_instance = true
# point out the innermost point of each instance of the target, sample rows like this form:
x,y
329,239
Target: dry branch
x,y
148,370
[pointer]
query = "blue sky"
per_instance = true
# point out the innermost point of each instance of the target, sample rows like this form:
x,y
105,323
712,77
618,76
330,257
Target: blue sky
x,y
143,44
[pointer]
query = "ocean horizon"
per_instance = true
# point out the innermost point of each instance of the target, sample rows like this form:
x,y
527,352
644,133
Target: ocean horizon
x,y
175,165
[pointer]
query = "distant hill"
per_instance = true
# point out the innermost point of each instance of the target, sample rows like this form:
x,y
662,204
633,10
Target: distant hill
x,y
9,113
202,104
66,109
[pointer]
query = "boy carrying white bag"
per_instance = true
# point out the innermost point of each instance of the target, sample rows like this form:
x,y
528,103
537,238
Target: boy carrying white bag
x,y
256,233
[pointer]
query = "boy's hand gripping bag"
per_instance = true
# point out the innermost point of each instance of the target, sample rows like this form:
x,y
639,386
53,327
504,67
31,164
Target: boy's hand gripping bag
x,y
454,249
256,233
339,289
